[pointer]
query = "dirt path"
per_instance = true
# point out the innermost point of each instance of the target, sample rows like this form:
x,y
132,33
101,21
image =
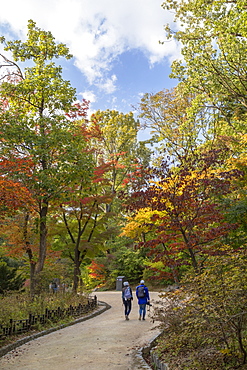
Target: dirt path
x,y
105,342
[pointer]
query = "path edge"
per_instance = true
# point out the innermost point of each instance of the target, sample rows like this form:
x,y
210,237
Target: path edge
x,y
140,354
104,307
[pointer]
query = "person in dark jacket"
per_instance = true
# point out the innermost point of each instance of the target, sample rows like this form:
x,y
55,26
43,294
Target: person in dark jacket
x,y
127,297
142,295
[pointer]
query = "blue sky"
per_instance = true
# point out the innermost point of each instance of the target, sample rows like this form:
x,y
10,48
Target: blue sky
x,y
115,44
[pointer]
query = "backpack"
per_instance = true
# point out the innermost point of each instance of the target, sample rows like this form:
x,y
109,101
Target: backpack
x,y
127,293
141,291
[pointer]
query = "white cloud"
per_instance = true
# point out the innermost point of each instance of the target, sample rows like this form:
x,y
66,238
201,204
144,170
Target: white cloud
x,y
89,95
96,31
107,85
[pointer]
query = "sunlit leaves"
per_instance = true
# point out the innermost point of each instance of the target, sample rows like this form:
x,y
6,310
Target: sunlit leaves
x,y
37,121
166,114
214,49
183,210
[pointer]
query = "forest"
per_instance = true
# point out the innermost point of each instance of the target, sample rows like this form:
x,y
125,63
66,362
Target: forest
x,y
82,200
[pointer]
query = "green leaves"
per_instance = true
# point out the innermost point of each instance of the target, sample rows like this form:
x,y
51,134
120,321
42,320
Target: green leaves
x,y
34,124
214,48
39,47
168,115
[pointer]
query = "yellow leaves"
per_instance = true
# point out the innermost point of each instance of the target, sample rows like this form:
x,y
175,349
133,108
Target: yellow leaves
x,y
140,223
225,351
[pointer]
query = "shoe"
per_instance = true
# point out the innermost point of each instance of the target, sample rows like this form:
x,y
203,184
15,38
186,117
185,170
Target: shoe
x,y
143,318
127,317
140,317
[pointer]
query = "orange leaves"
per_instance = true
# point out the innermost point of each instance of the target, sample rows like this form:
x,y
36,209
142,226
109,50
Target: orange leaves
x,y
100,172
97,271
15,165
13,194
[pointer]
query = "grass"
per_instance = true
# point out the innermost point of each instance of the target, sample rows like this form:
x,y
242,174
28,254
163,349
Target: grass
x,y
18,306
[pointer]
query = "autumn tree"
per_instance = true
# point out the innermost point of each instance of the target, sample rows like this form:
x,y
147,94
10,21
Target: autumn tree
x,y
186,216
37,122
209,327
90,211
120,147
81,226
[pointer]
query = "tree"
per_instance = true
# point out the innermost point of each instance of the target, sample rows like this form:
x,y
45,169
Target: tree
x,y
38,122
205,320
186,215
120,147
85,219
165,114
214,45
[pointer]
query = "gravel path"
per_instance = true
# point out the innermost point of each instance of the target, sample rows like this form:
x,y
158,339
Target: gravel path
x,y
105,342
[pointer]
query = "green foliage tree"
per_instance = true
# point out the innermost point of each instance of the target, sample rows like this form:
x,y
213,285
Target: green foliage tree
x,y
123,260
165,114
214,45
82,223
37,121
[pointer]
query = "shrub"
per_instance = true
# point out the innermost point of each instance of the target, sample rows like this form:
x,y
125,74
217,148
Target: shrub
x,y
205,322
10,279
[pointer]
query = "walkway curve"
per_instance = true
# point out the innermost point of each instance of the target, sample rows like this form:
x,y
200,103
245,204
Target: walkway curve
x,y
105,342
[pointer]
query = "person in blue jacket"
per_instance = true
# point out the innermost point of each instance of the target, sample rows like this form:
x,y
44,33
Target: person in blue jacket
x,y
142,295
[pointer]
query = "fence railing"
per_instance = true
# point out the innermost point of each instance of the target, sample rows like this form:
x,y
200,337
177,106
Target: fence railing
x,y
21,326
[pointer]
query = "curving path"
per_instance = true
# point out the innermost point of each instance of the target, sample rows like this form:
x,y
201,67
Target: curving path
x,y
106,341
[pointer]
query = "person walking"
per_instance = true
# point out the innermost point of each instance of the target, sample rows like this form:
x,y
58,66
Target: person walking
x,y
142,295
127,297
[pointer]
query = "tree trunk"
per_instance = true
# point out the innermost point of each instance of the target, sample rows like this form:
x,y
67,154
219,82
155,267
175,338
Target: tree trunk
x,y
29,252
78,258
43,237
77,271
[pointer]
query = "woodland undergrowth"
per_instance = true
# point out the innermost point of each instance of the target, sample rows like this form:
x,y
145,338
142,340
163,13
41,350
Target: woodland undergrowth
x,y
204,323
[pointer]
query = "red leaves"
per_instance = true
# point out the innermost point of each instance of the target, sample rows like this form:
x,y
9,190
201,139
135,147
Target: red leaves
x,y
190,216
78,110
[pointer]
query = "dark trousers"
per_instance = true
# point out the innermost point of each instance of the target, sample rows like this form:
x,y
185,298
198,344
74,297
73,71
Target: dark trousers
x,y
127,307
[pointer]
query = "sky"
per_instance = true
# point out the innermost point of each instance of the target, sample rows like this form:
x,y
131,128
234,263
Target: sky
x,y
117,54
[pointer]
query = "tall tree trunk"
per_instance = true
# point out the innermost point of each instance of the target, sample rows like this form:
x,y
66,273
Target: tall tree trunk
x,y
43,237
29,252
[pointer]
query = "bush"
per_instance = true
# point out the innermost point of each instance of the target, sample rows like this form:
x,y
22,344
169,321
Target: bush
x,y
19,306
10,279
205,322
